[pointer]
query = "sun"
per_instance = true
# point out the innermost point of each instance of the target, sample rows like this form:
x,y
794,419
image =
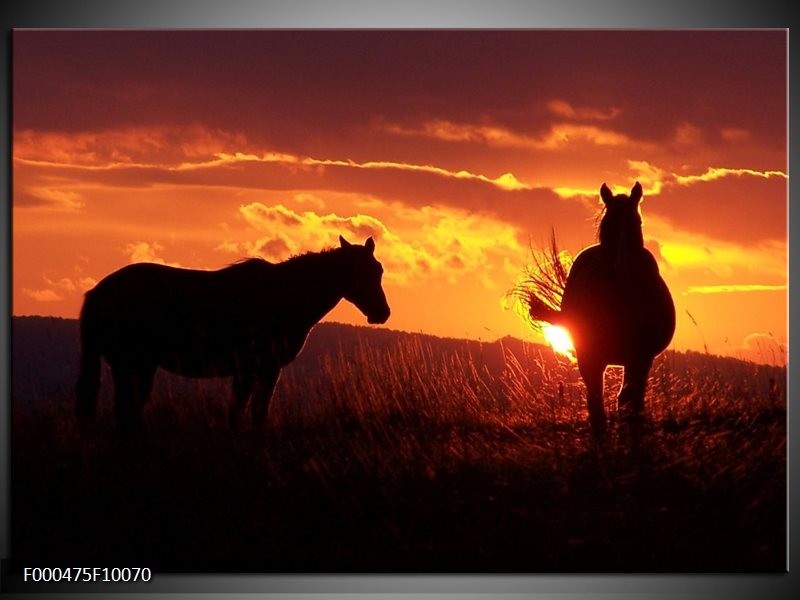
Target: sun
x,y
560,340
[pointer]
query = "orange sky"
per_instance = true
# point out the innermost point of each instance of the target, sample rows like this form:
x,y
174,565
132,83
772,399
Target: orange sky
x,y
456,150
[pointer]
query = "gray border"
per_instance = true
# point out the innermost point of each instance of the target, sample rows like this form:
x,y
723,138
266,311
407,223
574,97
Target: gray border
x,y
354,14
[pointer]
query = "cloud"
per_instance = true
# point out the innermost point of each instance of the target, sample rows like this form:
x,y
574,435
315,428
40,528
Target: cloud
x,y
736,206
223,159
146,252
44,295
65,283
712,270
733,134
563,108
37,197
289,232
565,134
719,172
650,176
506,181
59,289
654,179
461,243
427,243
123,146
569,192
708,256
300,179
558,136
203,151
687,134
734,288
274,248
268,218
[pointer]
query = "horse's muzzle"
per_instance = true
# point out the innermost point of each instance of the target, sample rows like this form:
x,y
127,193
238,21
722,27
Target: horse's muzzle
x,y
380,318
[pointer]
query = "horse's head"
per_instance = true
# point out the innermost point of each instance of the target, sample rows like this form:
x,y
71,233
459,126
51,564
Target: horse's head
x,y
363,280
621,222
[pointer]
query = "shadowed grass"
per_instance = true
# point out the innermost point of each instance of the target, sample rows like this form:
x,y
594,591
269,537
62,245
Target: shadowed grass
x,y
411,454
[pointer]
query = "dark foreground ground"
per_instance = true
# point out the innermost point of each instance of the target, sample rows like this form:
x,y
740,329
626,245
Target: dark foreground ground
x,y
487,499
400,490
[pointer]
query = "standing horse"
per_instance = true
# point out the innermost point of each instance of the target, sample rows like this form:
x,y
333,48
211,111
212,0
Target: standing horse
x,y
617,307
247,321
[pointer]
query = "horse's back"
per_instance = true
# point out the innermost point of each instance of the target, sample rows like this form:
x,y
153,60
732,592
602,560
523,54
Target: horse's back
x,y
621,309
162,315
146,293
143,286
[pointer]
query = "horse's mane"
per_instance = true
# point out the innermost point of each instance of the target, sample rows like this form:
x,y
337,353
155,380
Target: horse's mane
x,y
249,262
258,262
310,255
598,217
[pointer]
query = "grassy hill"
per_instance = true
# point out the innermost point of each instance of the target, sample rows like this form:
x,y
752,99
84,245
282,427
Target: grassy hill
x,y
45,353
396,452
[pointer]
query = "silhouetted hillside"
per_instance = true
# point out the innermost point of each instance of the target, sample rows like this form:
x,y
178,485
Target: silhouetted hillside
x,y
44,358
388,451
45,353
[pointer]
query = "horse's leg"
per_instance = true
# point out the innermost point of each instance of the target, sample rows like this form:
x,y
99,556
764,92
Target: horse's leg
x,y
592,374
123,396
265,386
242,389
630,404
630,401
132,386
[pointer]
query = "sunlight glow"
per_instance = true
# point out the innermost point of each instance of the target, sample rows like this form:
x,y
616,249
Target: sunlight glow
x,y
560,340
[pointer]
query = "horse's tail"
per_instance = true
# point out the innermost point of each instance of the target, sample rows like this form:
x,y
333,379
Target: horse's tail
x,y
89,374
538,310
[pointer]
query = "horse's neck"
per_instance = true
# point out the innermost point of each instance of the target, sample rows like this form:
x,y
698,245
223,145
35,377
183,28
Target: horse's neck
x,y
626,234
312,287
625,249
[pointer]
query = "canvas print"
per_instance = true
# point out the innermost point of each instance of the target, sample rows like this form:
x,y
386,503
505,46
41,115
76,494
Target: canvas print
x,y
430,301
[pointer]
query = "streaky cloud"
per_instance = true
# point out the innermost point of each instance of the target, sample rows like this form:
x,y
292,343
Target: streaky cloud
x,y
734,288
558,136
718,172
563,108
506,181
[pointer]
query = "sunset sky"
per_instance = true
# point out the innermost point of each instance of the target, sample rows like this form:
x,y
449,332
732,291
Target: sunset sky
x,y
456,150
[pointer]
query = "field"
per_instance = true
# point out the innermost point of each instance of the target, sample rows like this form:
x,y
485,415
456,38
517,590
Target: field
x,y
389,452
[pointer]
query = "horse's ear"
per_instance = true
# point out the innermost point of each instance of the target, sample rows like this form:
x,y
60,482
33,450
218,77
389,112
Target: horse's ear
x,y
606,193
636,192
370,244
344,242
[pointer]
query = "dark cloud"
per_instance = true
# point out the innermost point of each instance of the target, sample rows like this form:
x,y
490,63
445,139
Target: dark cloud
x,y
276,248
300,89
24,199
743,209
50,198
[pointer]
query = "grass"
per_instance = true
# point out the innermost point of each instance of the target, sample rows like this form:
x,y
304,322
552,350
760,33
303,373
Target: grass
x,y
416,455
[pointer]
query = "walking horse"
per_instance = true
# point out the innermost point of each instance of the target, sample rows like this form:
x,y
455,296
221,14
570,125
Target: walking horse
x,y
617,307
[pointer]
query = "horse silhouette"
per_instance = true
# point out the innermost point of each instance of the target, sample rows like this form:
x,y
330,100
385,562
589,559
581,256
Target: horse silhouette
x,y
617,308
246,321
